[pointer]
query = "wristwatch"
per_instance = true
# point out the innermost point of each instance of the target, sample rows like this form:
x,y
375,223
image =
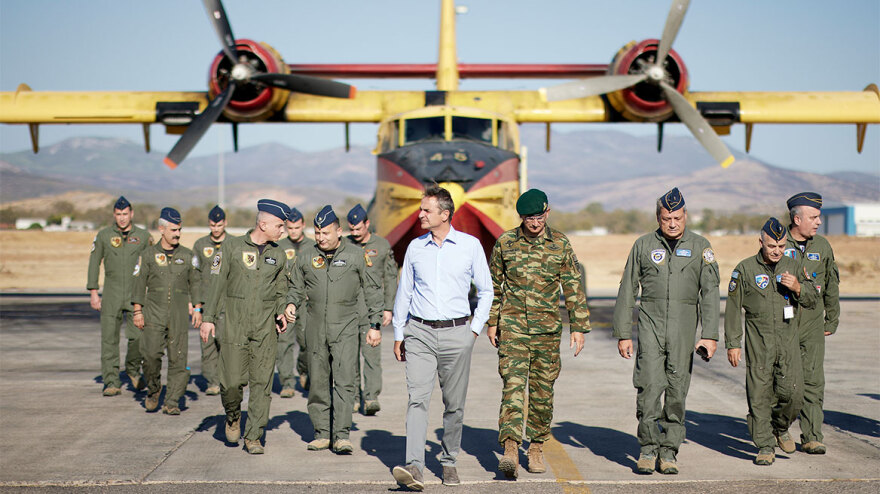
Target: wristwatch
x,y
197,309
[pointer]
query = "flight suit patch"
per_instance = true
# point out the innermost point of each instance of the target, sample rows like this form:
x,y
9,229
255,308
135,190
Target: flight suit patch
x,y
249,258
813,256
318,262
178,261
137,267
339,263
734,274
208,251
290,253
372,252
555,247
368,260
270,260
116,241
161,260
215,263
708,255
683,252
658,256
134,240
195,261
792,253
732,286
762,280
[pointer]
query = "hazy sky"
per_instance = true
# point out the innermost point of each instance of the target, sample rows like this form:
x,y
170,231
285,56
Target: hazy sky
x,y
747,45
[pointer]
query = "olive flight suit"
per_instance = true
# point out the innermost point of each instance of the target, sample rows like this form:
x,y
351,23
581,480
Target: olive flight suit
x,y
205,249
380,262
817,258
774,381
164,285
120,252
332,284
252,281
295,335
527,274
679,288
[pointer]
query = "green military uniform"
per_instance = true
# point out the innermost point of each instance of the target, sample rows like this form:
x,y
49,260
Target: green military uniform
x,y
252,283
297,334
120,252
679,286
380,262
330,285
816,256
164,285
527,273
774,381
205,249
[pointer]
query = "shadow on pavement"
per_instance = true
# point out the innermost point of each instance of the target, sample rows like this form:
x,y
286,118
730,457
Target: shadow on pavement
x,y
852,423
722,433
218,422
385,446
611,444
873,396
299,423
482,445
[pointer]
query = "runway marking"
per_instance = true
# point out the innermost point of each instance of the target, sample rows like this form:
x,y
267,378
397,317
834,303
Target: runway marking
x,y
563,468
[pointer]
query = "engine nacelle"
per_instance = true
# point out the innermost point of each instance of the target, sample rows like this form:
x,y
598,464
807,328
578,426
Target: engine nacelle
x,y
252,101
644,102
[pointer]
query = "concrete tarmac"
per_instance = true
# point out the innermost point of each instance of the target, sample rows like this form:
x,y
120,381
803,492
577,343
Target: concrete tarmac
x,y
59,434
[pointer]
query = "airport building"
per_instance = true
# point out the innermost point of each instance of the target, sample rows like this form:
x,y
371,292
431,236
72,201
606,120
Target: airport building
x,y
862,220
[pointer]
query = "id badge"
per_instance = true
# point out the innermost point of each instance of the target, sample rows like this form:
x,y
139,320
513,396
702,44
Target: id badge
x,y
787,312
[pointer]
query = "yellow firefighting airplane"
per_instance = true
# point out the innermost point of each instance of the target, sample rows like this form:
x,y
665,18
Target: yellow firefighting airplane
x,y
466,141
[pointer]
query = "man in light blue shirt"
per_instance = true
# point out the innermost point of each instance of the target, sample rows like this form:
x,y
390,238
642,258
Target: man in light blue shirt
x,y
431,330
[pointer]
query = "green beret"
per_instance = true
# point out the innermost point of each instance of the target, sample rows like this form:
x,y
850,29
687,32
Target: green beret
x,y
532,202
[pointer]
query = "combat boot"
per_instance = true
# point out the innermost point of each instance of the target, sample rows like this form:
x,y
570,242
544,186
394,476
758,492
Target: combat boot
x,y
509,463
785,442
318,444
152,402
233,431
304,381
371,407
765,456
342,447
286,393
111,391
813,448
668,466
646,464
253,446
213,390
138,383
170,409
536,457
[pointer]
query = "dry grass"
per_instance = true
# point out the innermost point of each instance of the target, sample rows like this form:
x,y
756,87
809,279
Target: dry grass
x,y
56,261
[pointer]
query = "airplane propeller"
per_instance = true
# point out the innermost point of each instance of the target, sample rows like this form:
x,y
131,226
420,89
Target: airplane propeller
x,y
242,73
653,73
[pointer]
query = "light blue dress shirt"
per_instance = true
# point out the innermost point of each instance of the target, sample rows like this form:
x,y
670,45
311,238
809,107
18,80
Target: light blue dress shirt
x,y
435,281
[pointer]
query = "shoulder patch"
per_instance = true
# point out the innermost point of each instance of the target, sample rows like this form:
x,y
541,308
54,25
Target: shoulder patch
x,y
734,274
732,286
708,255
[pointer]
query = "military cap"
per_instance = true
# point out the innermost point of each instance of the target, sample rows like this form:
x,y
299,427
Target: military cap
x,y
121,203
325,217
294,215
805,199
170,215
216,214
357,214
532,202
275,208
672,200
774,229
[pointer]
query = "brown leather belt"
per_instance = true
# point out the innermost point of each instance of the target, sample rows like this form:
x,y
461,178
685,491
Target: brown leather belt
x,y
440,324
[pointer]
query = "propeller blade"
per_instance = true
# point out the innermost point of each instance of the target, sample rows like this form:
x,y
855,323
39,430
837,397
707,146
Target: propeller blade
x,y
198,127
591,87
222,28
698,126
670,30
307,84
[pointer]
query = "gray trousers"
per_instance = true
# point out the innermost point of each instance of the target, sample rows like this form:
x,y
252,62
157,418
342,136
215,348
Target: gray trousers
x,y
444,352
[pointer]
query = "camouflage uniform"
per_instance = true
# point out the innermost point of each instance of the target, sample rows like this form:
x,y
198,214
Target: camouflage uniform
x,y
773,365
380,261
295,335
205,249
817,258
120,252
163,286
527,274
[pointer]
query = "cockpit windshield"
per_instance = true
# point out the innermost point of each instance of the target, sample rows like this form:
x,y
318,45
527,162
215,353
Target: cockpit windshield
x,y
418,129
479,129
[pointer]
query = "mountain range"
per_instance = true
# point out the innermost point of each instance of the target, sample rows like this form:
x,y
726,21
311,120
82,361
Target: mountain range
x,y
613,168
